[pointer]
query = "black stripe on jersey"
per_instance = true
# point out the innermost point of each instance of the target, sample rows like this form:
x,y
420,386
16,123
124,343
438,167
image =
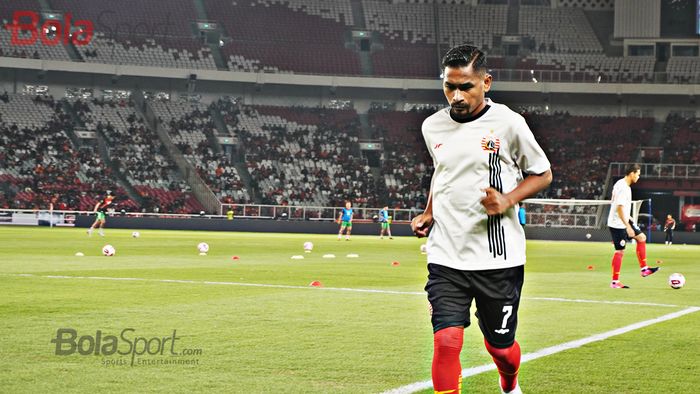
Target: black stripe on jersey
x,y
496,232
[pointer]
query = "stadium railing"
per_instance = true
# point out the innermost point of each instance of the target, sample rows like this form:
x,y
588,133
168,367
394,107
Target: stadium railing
x,y
592,214
261,211
660,170
243,211
556,213
527,75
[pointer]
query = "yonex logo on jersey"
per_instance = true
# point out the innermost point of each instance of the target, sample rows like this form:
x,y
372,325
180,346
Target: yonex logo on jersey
x,y
490,144
437,146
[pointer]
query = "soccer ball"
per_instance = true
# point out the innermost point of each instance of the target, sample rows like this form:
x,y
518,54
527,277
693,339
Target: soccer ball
x,y
588,236
676,280
135,234
424,248
203,247
108,250
308,246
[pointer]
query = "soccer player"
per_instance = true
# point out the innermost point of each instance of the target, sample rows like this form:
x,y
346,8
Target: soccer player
x,y
385,222
623,229
476,246
101,210
669,226
345,220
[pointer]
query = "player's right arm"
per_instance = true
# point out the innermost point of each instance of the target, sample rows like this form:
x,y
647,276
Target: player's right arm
x,y
421,224
96,206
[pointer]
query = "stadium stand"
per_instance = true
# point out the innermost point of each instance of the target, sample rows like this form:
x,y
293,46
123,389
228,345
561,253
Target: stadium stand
x,y
189,124
304,156
611,69
7,8
476,25
36,50
684,69
409,22
408,31
338,10
580,167
40,164
139,156
313,37
406,165
681,141
300,42
142,33
147,52
559,30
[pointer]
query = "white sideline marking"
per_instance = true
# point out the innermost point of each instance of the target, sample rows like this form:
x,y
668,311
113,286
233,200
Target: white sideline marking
x,y
548,351
348,289
600,302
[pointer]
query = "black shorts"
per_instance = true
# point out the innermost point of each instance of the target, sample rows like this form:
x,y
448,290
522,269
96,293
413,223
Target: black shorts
x,y
497,296
620,237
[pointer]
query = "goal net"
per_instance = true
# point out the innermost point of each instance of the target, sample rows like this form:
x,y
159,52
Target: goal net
x,y
571,213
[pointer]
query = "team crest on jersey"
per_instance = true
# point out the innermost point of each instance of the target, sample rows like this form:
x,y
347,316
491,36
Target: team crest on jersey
x,y
490,144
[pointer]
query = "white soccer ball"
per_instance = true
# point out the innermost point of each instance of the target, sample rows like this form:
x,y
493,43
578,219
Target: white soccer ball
x,y
424,248
588,236
308,246
135,234
108,250
203,247
676,280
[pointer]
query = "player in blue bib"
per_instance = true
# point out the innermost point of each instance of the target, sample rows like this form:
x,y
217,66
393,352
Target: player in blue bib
x,y
384,222
345,220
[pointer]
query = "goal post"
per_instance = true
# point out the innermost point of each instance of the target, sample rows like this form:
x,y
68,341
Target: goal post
x,y
573,213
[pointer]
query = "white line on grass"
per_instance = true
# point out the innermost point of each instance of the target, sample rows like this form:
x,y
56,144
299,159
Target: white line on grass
x,y
600,302
348,289
418,386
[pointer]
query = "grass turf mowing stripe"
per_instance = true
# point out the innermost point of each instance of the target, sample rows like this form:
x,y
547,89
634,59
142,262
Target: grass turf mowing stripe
x,y
418,386
349,289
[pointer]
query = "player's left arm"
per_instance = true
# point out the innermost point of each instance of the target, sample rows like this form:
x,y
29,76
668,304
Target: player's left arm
x,y
531,159
497,203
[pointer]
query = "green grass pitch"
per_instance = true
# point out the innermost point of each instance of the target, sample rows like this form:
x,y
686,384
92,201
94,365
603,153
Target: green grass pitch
x,y
293,338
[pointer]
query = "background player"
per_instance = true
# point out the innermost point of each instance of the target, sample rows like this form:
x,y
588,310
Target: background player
x,y
669,226
623,229
101,210
385,222
345,220
476,249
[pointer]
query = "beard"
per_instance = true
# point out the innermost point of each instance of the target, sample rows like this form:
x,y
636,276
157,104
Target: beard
x,y
461,111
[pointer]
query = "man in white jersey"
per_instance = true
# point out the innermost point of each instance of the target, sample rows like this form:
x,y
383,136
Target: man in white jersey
x,y
476,246
623,229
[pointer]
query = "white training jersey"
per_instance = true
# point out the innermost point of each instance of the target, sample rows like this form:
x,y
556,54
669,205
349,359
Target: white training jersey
x,y
490,149
621,195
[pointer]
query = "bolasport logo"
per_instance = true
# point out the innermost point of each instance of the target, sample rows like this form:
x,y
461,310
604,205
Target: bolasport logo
x,y
126,349
51,32
27,28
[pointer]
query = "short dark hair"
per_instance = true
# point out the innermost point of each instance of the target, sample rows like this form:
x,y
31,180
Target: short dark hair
x,y
632,168
464,55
